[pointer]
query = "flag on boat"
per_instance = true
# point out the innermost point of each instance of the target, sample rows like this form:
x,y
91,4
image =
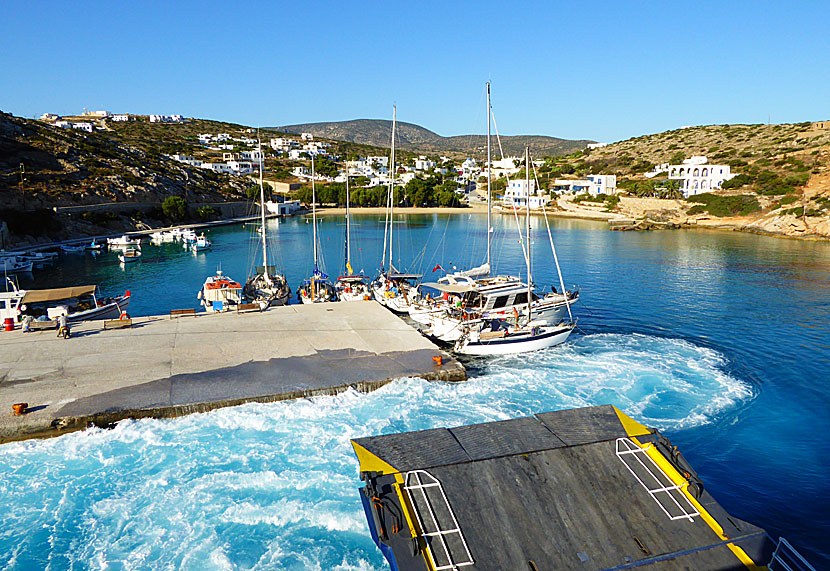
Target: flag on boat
x,y
438,267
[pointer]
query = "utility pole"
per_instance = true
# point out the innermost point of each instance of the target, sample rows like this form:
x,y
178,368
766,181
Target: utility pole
x,y
22,175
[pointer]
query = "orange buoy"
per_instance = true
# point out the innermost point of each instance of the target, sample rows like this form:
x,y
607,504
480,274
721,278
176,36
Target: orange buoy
x,y
439,360
20,408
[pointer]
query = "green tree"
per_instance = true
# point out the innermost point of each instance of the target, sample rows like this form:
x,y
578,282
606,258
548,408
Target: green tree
x,y
174,207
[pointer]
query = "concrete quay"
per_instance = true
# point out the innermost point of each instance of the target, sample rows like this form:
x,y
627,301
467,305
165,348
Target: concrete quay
x,y
164,367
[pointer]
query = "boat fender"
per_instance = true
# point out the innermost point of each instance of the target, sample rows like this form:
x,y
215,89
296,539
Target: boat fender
x,y
124,315
199,295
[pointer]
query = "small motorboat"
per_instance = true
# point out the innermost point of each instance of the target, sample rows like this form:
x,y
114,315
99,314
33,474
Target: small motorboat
x,y
94,246
130,256
201,243
73,249
124,242
12,265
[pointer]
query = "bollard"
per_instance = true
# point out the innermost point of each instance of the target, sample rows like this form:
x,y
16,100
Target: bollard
x,y
20,408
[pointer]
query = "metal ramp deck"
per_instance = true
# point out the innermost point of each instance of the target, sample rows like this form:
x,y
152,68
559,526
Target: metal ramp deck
x,y
585,489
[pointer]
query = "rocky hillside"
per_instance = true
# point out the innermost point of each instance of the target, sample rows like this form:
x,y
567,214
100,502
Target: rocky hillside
x,y
378,132
782,187
44,169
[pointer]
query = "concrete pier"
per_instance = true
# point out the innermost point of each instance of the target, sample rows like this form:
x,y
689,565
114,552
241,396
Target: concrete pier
x,y
166,366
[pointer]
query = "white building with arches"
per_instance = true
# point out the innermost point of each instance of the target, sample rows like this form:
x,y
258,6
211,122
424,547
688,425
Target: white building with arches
x,y
698,176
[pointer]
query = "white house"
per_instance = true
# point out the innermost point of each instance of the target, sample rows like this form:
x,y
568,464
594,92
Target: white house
x,y
96,113
228,157
306,136
424,164
283,208
407,176
591,184
49,117
217,167
83,127
283,144
516,195
241,167
698,176
506,166
187,159
597,145
122,118
166,119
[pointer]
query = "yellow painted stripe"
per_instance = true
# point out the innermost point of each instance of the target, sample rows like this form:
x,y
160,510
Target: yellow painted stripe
x,y
675,476
631,426
368,462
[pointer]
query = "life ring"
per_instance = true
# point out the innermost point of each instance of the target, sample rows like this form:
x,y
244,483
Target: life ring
x,y
124,315
348,290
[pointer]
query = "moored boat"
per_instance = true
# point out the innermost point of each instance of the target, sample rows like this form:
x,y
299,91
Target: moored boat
x,y
78,303
317,288
129,256
220,293
265,285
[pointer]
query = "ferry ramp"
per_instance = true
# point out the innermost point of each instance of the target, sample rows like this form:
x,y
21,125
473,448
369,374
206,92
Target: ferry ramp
x,y
576,489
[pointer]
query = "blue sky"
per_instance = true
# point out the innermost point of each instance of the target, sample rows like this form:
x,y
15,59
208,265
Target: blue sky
x,y
597,70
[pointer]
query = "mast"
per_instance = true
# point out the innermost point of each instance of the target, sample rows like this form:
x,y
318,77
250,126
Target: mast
x,y
527,238
489,172
348,228
262,211
392,190
314,213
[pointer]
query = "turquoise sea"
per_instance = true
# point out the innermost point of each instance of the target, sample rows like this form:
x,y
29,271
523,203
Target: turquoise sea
x,y
722,340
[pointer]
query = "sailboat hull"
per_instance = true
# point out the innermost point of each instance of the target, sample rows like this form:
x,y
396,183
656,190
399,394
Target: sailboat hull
x,y
521,343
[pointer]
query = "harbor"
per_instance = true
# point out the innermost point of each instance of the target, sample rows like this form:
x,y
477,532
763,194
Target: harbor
x,y
166,366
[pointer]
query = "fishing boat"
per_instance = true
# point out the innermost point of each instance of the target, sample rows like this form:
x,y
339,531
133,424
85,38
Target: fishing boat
x,y
94,246
38,258
317,288
124,242
220,293
129,256
73,249
78,303
265,285
351,286
391,288
523,334
201,243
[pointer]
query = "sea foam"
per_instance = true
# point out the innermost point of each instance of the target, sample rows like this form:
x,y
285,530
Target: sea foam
x,y
273,486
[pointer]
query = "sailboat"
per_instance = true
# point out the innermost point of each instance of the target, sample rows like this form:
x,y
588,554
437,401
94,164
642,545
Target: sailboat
x,y
350,286
500,336
475,292
396,290
317,288
265,286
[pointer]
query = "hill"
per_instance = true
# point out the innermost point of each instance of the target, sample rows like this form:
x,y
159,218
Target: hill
x,y
782,187
44,169
378,133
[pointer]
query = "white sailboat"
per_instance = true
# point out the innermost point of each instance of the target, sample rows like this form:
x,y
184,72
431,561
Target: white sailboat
x,y
265,285
317,288
350,286
500,336
396,290
475,294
